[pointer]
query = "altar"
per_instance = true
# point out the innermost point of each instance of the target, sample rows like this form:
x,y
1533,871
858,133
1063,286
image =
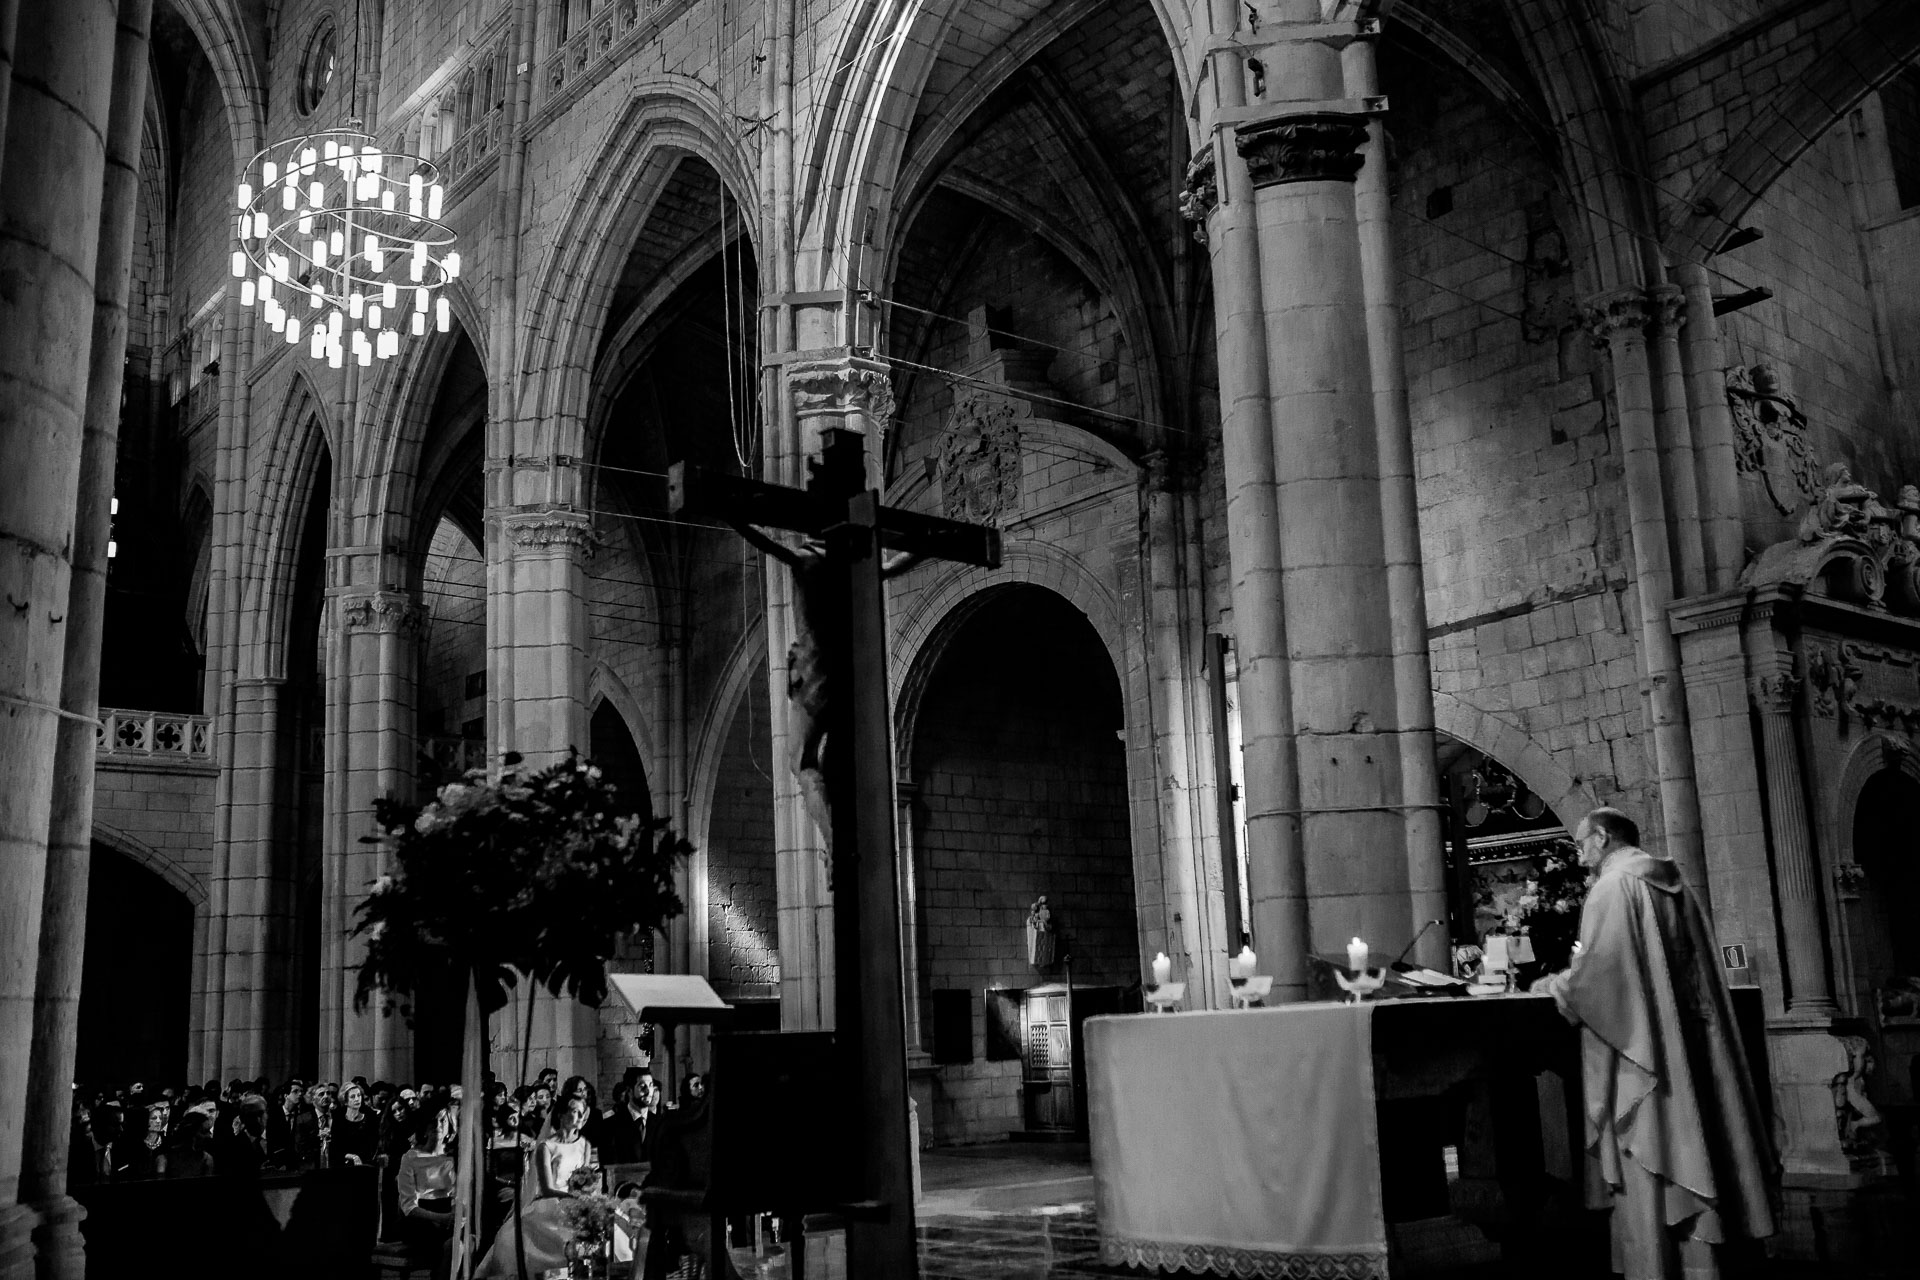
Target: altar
x,y
1349,1141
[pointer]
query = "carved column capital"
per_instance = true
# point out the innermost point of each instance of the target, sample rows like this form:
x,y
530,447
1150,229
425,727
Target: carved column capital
x,y
1774,691
849,385
1623,312
381,611
1666,308
1200,195
1317,147
558,527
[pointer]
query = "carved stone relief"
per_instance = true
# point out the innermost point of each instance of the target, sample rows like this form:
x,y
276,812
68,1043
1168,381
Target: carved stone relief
x,y
1770,436
978,463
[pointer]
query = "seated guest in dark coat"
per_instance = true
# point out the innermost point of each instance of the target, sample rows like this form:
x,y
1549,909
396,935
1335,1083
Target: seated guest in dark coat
x,y
141,1151
191,1155
625,1131
356,1129
313,1130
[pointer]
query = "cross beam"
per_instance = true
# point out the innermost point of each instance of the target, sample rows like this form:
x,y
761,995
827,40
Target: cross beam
x,y
842,600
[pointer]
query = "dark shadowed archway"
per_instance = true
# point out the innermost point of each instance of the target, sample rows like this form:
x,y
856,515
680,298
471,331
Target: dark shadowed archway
x,y
136,983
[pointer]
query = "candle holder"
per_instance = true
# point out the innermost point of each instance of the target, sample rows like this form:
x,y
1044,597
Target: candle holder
x,y
1250,990
1165,996
1363,983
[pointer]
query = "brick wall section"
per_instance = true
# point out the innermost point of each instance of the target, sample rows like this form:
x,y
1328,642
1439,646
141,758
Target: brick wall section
x,y
743,939
1022,792
1521,504
167,808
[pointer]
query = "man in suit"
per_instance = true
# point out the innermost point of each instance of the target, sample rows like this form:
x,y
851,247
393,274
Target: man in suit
x,y
627,1129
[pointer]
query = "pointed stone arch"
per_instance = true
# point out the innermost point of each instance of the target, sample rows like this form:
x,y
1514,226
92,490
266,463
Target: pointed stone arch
x,y
302,437
605,685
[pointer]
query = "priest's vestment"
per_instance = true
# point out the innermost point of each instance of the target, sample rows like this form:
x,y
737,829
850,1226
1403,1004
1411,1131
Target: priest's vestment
x,y
1673,1127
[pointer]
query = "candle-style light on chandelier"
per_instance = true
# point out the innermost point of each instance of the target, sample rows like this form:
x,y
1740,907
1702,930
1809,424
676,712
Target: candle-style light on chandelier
x,y
341,246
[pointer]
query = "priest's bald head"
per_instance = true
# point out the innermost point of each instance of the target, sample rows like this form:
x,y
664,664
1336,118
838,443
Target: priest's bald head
x,y
1601,832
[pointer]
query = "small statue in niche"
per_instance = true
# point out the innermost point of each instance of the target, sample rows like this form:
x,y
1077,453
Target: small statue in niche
x,y
1860,1125
1040,934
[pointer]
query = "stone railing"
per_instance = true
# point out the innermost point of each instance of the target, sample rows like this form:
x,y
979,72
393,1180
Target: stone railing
x,y
451,757
602,41
462,122
154,735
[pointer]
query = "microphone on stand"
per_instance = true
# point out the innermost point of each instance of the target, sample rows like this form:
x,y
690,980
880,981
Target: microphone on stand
x,y
1395,966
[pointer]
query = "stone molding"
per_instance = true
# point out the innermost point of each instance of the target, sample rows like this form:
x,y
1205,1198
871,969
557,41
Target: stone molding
x,y
1774,691
1850,546
853,384
556,528
1873,684
122,734
1666,308
1315,147
381,611
1200,195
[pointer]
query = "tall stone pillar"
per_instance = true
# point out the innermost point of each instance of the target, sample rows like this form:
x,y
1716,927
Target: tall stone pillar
x,y
1219,196
49,245
538,673
1809,988
1619,322
1667,312
1400,527
373,639
63,920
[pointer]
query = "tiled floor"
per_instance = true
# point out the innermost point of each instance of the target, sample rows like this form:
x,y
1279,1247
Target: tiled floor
x,y
1029,1245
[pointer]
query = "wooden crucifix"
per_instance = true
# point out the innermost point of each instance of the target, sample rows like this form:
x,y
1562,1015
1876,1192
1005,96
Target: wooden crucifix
x,y
843,754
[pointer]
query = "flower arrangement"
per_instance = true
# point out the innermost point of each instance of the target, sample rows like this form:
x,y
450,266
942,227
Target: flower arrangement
x,y
514,872
1548,907
593,1216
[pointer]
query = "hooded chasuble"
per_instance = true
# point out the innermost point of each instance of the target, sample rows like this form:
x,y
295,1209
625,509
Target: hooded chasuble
x,y
1673,1128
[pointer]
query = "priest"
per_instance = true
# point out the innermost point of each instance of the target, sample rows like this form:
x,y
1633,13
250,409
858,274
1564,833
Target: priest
x,y
1674,1137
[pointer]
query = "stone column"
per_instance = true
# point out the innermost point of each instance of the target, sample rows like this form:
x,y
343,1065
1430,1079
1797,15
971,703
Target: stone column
x,y
372,640
63,920
1619,322
1219,196
49,244
9,19
1667,312
1400,516
1705,364
538,663
1326,468
1182,740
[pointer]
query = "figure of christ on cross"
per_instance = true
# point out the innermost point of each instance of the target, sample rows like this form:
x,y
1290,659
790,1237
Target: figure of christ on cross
x,y
843,757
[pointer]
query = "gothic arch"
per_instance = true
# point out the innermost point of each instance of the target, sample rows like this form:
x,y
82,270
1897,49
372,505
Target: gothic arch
x,y
930,623
1511,745
603,685
301,438
668,117
228,45
746,663
1831,87
852,160
148,858
1876,753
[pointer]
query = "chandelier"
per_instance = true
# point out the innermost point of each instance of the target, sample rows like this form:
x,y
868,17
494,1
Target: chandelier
x,y
341,245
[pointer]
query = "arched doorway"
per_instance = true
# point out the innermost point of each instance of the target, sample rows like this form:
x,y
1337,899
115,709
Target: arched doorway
x,y
1501,835
137,975
1019,789
1885,952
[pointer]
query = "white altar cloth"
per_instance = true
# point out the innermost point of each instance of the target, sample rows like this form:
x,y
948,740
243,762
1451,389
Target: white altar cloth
x,y
1238,1143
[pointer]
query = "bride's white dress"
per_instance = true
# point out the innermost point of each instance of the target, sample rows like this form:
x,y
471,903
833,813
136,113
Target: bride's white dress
x,y
543,1219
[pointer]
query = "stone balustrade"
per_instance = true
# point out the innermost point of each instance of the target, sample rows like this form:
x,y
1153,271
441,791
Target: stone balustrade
x,y
125,735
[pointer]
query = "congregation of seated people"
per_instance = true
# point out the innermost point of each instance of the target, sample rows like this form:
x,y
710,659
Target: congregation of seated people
x,y
408,1134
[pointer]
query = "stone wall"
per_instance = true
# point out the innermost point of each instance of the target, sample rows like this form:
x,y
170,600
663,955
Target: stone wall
x,y
743,941
166,808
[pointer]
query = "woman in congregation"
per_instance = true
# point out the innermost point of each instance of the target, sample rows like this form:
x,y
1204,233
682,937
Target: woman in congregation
x,y
143,1153
356,1130
564,1164
424,1183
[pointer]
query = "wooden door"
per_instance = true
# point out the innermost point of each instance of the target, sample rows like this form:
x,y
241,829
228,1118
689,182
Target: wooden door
x,y
1048,1074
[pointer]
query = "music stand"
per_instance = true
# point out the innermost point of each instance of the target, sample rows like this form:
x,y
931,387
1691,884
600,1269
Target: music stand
x,y
670,1000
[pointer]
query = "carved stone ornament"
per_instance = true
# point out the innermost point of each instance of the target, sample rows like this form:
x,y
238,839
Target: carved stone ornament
x,y
1667,308
1307,148
1774,691
1850,878
1201,193
381,611
1623,311
1862,1130
1823,680
1770,437
1849,546
852,385
552,529
978,463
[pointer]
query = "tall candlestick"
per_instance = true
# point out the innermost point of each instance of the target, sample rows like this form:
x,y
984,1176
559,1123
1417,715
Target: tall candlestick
x,y
1357,955
1162,969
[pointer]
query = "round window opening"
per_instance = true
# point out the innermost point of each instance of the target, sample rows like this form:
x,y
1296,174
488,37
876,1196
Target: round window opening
x,y
316,69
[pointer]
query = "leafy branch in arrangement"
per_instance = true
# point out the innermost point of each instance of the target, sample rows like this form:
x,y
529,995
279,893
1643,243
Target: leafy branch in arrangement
x,y
1548,909
538,873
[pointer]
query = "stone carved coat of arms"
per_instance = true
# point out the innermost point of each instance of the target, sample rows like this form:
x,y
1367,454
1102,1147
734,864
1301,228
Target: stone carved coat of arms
x,y
977,465
1770,437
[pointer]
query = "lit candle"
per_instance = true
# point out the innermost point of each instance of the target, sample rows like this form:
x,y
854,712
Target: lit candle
x,y
1357,955
1246,962
1162,969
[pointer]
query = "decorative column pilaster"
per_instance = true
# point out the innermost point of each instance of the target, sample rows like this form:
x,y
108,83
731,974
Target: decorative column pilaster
x,y
1775,688
1716,473
50,207
1618,322
372,646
